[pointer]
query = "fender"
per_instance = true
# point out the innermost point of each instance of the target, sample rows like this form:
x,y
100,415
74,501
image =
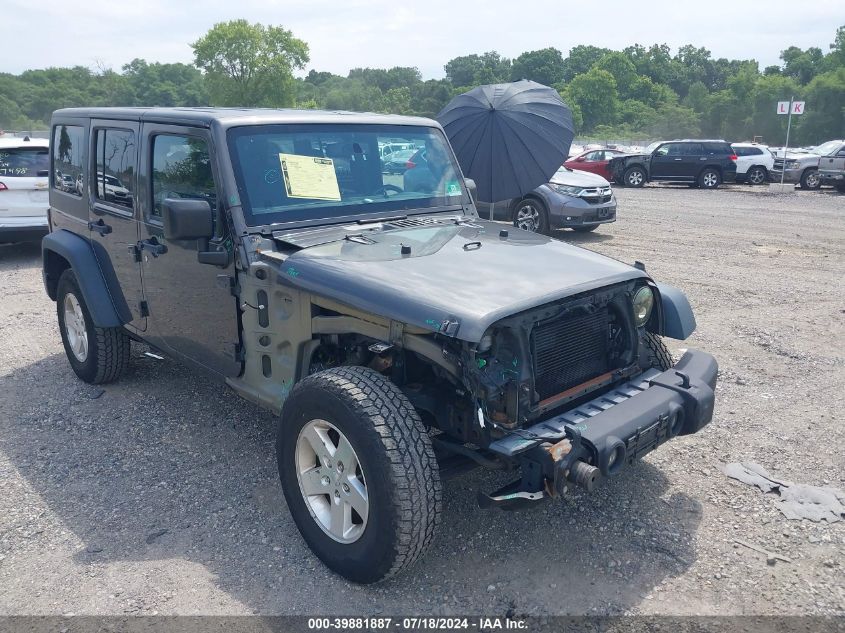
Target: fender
x,y
678,321
100,289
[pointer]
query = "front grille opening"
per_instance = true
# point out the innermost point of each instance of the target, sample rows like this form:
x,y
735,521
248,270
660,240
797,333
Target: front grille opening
x,y
570,350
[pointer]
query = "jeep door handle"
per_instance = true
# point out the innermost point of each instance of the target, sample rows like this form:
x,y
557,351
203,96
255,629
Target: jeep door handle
x,y
100,227
679,159
153,247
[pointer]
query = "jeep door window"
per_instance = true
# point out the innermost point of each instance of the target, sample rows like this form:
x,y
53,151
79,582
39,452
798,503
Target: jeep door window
x,y
181,170
24,162
291,173
115,167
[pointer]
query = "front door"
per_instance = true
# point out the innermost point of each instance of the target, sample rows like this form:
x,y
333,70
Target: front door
x,y
113,216
835,161
192,311
662,163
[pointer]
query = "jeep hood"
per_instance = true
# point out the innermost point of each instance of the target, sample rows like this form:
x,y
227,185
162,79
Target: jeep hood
x,y
453,278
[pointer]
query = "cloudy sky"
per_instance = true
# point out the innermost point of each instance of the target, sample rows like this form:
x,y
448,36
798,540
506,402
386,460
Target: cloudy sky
x,y
344,34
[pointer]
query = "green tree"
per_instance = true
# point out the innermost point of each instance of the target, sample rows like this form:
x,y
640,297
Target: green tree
x,y
164,84
825,112
249,64
475,70
544,66
802,65
595,94
623,71
580,59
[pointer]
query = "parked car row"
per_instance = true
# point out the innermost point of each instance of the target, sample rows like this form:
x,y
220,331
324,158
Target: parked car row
x,y
708,163
823,164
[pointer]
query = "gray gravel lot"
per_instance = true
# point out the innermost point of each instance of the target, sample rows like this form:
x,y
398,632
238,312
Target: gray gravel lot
x,y
159,494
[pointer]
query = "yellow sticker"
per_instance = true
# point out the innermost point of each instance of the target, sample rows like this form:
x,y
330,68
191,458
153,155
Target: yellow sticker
x,y
309,177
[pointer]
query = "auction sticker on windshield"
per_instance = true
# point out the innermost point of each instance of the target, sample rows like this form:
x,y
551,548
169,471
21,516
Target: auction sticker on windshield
x,y
309,177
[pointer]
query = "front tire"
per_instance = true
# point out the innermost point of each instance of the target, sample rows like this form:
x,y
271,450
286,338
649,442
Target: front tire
x,y
810,179
373,516
656,352
756,176
97,355
531,215
634,177
709,179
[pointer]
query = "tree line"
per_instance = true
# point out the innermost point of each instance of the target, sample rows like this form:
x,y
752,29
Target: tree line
x,y
638,92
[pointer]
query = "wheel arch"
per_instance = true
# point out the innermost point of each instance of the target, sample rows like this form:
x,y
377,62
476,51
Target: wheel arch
x,y
531,195
677,320
63,249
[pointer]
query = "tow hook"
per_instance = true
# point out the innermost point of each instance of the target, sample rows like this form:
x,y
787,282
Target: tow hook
x,y
568,467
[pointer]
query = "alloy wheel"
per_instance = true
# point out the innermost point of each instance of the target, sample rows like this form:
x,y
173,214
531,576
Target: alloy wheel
x,y
77,333
331,481
756,176
635,178
528,217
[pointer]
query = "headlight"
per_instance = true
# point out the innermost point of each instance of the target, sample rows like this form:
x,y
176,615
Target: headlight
x,y
643,303
567,190
792,164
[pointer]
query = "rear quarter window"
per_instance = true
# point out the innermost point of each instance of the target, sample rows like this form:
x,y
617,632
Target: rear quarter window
x,y
718,148
24,162
68,159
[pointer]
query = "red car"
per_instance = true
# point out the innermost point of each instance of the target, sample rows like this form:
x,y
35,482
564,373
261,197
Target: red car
x,y
593,160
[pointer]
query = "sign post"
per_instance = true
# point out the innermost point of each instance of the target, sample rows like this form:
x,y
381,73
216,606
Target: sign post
x,y
789,108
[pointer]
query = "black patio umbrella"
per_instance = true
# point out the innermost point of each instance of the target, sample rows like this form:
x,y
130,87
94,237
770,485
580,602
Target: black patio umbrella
x,y
509,138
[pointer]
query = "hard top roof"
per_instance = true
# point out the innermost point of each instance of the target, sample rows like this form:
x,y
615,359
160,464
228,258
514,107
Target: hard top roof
x,y
229,117
19,141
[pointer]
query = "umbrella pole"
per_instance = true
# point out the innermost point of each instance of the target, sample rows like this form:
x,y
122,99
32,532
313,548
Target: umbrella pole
x,y
493,202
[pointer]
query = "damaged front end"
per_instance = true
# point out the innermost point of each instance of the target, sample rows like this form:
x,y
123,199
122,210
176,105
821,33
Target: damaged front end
x,y
566,395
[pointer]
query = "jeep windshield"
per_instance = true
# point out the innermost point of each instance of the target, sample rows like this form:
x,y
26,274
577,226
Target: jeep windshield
x,y
294,173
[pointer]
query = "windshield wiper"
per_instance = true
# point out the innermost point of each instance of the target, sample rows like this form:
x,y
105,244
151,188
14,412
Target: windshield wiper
x,y
379,220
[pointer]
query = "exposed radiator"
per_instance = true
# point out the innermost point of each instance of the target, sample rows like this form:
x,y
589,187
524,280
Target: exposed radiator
x,y
569,351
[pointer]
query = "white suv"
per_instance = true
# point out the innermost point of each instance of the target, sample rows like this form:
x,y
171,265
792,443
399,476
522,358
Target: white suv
x,y
24,168
753,163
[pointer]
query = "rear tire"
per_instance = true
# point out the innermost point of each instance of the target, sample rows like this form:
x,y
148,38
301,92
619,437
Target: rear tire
x,y
810,179
97,355
757,176
634,177
360,413
709,178
658,355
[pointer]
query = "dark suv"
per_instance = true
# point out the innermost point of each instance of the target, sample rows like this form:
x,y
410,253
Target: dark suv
x,y
705,164
399,337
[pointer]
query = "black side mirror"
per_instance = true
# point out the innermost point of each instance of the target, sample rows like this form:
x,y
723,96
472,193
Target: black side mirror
x,y
473,190
187,219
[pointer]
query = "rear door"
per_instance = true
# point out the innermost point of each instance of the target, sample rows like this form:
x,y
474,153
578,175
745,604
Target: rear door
x,y
113,219
24,171
193,313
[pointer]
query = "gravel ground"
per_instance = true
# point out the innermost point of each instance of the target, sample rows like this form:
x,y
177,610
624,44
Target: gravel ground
x,y
159,494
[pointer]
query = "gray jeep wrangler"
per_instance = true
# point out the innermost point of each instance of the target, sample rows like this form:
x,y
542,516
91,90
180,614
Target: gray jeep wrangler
x,y
400,338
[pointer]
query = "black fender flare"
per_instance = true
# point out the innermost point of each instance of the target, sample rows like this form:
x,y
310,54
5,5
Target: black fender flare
x,y
677,321
100,289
